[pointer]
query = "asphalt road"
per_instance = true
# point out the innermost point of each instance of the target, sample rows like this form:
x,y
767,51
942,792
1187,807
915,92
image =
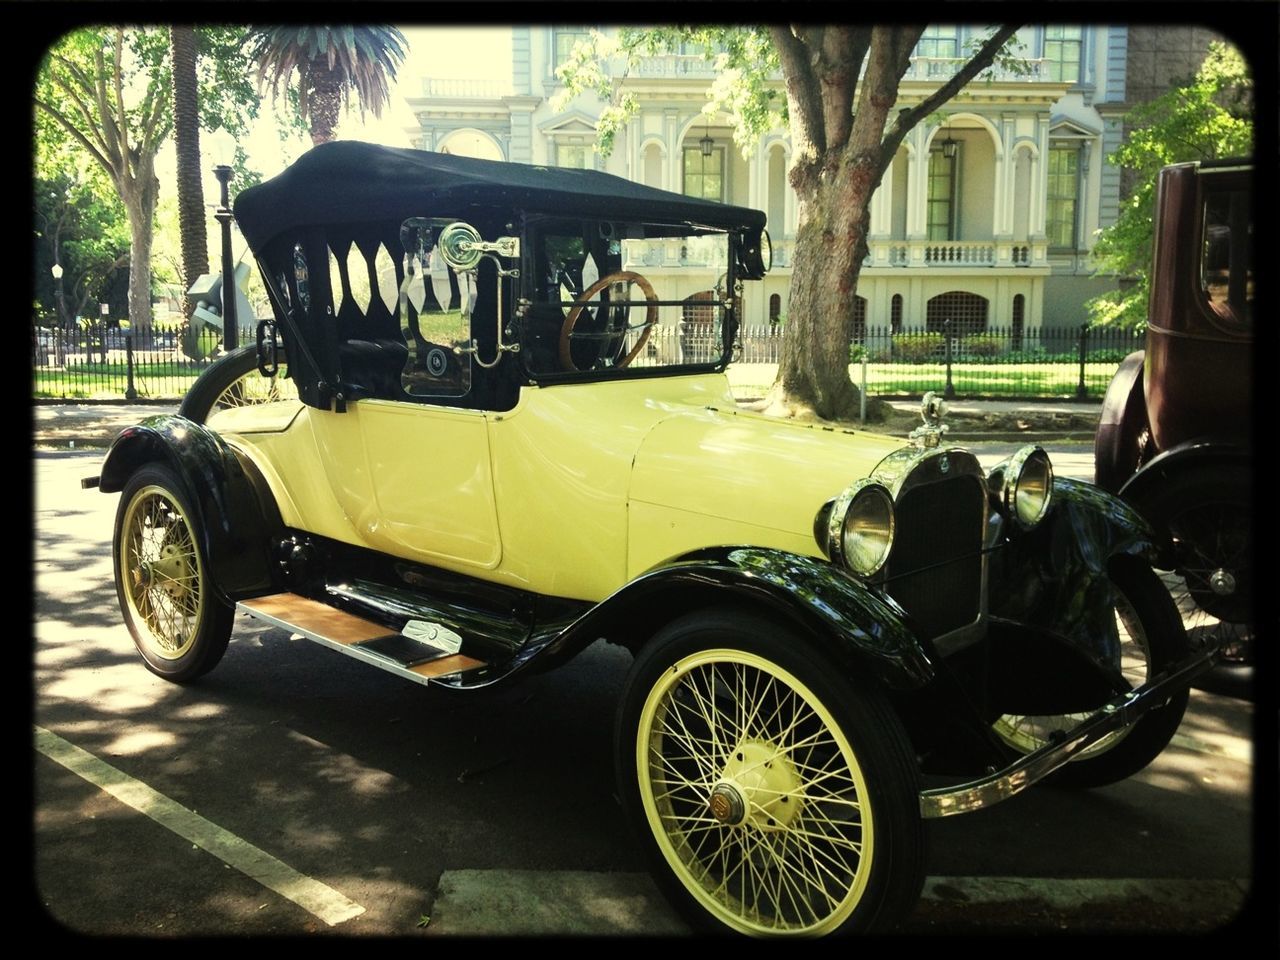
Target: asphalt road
x,y
295,791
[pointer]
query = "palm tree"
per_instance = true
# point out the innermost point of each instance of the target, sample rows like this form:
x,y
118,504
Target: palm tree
x,y
184,52
331,63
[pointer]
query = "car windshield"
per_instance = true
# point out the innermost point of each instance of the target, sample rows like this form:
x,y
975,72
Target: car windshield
x,y
610,295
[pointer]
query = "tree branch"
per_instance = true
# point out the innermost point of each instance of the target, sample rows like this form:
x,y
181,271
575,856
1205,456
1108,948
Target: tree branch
x,y
797,71
75,132
980,61
109,132
119,64
843,49
83,108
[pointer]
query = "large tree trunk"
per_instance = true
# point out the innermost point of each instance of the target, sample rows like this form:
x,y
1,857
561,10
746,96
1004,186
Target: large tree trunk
x,y
140,196
831,242
186,128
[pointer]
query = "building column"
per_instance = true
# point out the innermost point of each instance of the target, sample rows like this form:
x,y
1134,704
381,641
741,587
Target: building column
x,y
1008,180
917,184
1040,179
671,133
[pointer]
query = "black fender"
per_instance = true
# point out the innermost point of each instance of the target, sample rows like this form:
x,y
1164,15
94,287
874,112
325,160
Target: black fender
x,y
236,514
1054,578
1117,446
859,628
1198,455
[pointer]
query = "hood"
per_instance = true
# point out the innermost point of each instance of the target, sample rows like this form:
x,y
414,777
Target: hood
x,y
748,468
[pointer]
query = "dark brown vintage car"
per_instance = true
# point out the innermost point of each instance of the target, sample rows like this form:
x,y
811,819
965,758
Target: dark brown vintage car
x,y
1174,438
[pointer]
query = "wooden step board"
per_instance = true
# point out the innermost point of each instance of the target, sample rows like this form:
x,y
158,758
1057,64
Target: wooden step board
x,y
363,639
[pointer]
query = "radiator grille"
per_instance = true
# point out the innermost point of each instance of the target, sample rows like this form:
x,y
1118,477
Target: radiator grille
x,y
935,567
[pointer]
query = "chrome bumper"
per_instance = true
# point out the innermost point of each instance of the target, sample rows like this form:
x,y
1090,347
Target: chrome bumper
x,y
1120,712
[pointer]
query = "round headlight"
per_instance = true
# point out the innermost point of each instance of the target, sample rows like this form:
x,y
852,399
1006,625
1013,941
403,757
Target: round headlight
x,y
1028,487
861,527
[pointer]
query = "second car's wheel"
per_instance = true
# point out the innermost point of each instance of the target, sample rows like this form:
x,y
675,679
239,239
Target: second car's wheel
x,y
772,793
233,380
178,624
1208,519
1150,638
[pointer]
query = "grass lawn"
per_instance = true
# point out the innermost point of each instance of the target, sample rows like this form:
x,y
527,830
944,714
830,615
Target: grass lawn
x,y
999,380
82,379
89,380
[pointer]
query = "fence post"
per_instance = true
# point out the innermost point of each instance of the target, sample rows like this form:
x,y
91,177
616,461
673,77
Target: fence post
x,y
129,392
1082,392
862,401
950,390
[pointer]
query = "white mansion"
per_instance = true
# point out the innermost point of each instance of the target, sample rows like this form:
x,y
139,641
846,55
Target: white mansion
x,y
986,217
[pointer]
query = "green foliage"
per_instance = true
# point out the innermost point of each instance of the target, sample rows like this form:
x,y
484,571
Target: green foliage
x,y
348,59
1208,117
79,224
917,347
982,345
746,65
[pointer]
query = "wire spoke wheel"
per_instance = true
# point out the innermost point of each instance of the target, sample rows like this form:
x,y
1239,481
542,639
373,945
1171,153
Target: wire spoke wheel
x,y
178,625
1026,734
755,792
1148,637
233,381
764,816
163,587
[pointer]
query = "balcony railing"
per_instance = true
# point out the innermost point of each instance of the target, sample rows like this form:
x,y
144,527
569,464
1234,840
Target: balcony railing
x,y
940,68
948,254
455,89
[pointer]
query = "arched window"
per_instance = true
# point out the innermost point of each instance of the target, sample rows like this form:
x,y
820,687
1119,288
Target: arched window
x,y
895,313
775,308
966,311
859,319
1019,308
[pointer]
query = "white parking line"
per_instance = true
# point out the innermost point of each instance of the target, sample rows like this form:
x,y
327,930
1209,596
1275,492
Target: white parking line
x,y
311,895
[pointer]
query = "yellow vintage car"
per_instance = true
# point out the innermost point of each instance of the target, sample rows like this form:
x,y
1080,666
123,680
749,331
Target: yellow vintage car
x,y
506,433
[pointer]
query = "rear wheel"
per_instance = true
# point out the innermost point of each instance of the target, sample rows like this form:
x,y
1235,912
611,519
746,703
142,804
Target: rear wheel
x,y
178,624
231,381
773,795
1150,638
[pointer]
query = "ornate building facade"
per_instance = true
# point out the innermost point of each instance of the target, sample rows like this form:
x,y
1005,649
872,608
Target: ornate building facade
x,y
985,217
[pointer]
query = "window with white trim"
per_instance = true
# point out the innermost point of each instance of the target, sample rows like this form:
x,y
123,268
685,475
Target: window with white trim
x,y
563,41
573,154
1062,195
941,202
1063,49
939,41
704,176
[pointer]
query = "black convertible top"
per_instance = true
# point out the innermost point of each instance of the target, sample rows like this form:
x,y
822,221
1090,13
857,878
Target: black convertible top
x,y
347,181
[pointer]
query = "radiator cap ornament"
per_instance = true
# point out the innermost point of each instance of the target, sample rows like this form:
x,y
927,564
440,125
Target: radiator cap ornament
x,y
929,434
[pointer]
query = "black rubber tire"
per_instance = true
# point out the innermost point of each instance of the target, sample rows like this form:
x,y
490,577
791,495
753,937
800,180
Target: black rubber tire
x,y
204,395
178,623
1165,642
874,886
1208,519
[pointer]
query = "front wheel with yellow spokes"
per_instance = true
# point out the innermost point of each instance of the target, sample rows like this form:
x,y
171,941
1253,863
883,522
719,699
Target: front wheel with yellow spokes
x,y
178,625
773,796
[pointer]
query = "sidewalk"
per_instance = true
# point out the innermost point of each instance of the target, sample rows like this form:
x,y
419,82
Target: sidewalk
x,y
76,425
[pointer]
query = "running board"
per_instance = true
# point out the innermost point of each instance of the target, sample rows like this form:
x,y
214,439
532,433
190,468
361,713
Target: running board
x,y
403,654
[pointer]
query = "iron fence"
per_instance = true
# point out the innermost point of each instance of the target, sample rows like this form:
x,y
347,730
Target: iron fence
x,y
99,361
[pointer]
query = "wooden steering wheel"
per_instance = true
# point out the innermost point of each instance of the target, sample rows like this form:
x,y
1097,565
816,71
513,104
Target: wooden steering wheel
x,y
650,317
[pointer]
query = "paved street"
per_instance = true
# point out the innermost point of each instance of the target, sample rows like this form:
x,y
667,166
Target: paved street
x,y
295,791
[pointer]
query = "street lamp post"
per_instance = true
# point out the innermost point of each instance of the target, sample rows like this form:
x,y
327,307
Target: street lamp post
x,y
59,331
224,150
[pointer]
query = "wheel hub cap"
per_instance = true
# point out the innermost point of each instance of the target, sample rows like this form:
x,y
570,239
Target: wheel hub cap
x,y
758,786
1222,583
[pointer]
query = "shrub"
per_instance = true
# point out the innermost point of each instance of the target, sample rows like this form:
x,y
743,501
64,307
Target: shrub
x,y
982,345
917,347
